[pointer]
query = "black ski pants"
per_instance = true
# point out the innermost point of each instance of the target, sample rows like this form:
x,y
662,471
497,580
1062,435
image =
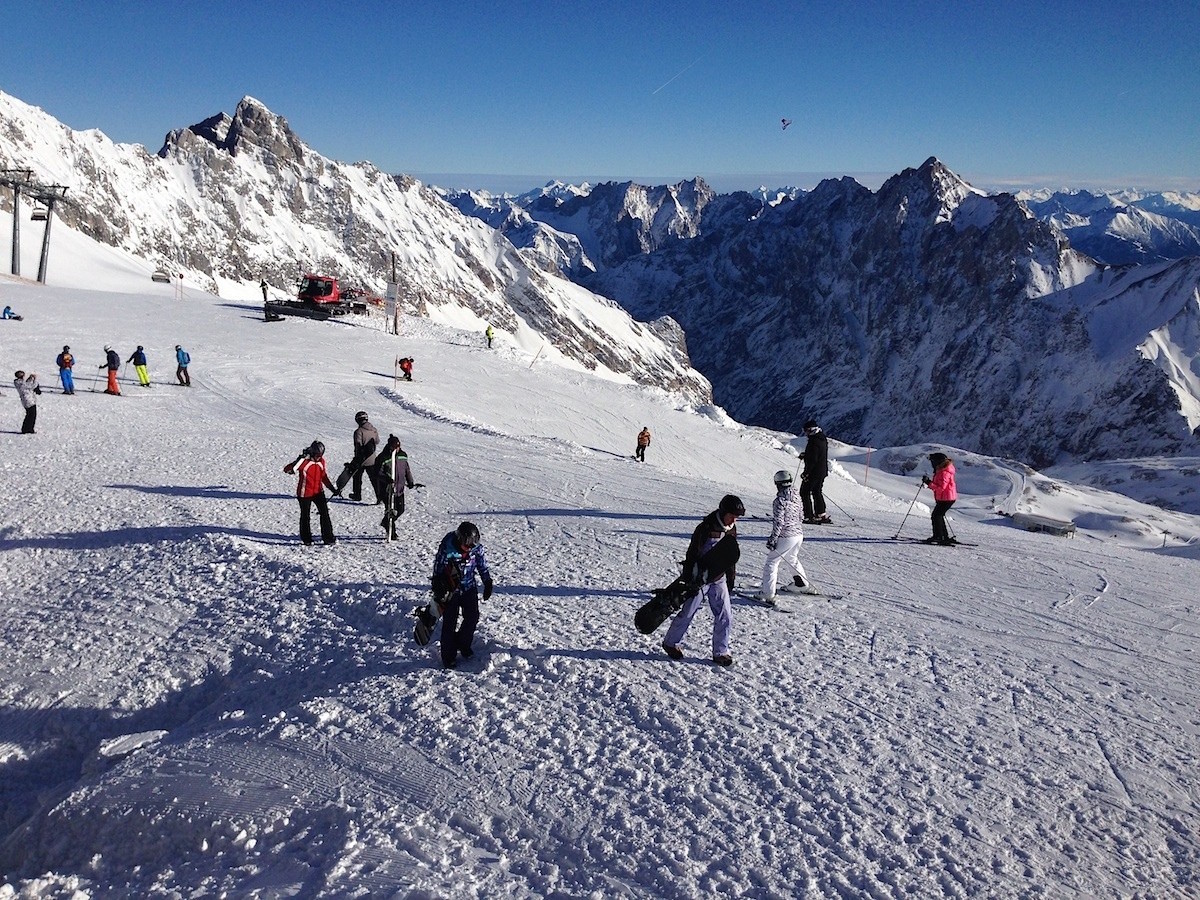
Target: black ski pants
x,y
811,496
457,638
322,503
940,508
30,420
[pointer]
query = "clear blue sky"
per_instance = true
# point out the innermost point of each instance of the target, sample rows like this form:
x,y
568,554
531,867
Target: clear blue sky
x,y
1051,92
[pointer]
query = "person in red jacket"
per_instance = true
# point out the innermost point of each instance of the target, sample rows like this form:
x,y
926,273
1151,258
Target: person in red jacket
x,y
313,476
945,492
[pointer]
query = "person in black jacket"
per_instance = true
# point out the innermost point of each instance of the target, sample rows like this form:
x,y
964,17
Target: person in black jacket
x,y
816,467
718,527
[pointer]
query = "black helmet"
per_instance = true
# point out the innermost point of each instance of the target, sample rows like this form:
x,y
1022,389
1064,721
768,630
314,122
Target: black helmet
x,y
467,535
315,450
731,504
360,417
140,347
66,348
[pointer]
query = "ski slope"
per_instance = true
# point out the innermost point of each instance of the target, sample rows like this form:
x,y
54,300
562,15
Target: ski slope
x,y
192,703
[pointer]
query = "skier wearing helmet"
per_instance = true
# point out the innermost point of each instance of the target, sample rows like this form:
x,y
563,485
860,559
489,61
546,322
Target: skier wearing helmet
x,y
366,447
459,557
719,525
787,534
310,467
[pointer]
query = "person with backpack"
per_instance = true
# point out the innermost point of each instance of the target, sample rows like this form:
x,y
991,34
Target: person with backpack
x,y
182,360
458,560
366,445
65,362
406,366
718,526
27,392
812,478
112,362
392,475
138,358
309,466
945,492
787,534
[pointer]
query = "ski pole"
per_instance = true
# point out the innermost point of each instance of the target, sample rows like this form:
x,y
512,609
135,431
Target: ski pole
x,y
843,511
906,515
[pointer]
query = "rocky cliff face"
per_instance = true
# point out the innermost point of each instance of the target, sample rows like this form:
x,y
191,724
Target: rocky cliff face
x,y
925,311
242,197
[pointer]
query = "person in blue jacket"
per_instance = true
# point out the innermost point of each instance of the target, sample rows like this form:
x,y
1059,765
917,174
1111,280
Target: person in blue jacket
x,y
182,359
458,559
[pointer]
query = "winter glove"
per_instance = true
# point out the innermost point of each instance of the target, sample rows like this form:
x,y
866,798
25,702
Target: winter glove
x,y
925,480
487,588
771,544
38,389
290,468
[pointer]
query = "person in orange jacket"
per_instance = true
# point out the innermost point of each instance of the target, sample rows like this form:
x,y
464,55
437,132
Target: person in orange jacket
x,y
643,441
313,476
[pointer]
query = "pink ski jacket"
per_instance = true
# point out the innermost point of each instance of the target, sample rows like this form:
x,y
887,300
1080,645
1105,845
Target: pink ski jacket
x,y
942,483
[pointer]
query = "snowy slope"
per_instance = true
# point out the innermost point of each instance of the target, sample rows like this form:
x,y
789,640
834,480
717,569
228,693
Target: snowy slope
x,y
192,703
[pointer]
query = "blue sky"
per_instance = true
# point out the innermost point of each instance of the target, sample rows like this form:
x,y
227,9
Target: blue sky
x,y
1101,94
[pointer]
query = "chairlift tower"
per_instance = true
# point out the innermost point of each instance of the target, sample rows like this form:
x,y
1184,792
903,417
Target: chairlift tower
x,y
16,179
48,194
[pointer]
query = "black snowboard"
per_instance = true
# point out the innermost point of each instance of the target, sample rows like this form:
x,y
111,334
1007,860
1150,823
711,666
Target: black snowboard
x,y
723,556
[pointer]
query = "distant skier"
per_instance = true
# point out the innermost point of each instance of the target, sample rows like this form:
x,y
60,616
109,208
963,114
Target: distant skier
x,y
459,557
816,468
138,358
643,441
945,492
263,284
489,333
719,525
366,446
309,466
27,392
182,360
9,314
65,362
406,366
392,475
112,362
787,535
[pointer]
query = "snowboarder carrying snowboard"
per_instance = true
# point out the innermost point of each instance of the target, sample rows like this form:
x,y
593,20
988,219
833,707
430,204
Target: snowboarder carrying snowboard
x,y
816,468
310,467
643,441
392,475
787,535
459,557
945,492
718,527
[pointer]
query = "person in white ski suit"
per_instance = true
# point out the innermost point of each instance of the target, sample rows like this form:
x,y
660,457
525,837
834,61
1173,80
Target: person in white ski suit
x,y
787,534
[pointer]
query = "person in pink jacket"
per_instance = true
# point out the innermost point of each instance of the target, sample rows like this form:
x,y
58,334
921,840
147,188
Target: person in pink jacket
x,y
945,492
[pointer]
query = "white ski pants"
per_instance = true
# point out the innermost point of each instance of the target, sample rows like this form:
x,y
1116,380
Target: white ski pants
x,y
786,550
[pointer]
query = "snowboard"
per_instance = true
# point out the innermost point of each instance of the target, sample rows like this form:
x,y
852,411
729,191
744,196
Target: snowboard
x,y
344,477
670,599
427,618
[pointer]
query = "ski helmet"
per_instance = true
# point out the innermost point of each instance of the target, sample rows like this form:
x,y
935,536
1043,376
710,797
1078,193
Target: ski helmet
x,y
360,417
315,450
731,505
107,348
783,478
811,426
66,349
467,535
18,374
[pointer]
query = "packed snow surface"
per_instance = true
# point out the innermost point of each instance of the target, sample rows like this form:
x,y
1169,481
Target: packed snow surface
x,y
192,703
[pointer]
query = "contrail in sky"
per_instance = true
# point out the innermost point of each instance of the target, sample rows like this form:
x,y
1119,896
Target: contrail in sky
x,y
673,77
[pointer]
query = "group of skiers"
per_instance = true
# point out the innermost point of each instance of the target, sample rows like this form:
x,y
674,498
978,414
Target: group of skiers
x,y
716,538
28,388
387,471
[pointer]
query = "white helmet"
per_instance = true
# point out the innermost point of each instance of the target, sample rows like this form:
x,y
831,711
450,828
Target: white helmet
x,y
783,478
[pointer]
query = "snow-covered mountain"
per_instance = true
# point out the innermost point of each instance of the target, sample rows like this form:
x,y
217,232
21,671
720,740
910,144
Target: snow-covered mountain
x,y
242,197
928,311
1124,229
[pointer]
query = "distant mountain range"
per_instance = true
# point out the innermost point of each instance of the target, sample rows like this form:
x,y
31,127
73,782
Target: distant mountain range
x,y
924,311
